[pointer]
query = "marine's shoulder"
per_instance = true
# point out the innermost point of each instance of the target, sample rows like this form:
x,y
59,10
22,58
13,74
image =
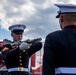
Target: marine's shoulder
x,y
55,36
55,33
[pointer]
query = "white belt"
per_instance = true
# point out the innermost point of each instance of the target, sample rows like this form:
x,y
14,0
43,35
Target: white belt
x,y
18,69
67,70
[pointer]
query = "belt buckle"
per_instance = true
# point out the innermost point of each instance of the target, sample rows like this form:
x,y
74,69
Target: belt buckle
x,y
20,69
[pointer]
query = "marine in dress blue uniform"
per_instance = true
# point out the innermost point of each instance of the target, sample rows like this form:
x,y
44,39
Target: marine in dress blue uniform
x,y
17,59
60,46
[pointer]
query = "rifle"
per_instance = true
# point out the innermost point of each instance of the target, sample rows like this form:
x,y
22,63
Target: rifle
x,y
33,40
16,44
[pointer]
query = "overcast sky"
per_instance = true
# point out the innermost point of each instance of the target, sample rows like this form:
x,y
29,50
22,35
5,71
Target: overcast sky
x,y
37,15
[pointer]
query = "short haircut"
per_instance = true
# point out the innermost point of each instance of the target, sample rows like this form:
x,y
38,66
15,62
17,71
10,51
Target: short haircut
x,y
69,17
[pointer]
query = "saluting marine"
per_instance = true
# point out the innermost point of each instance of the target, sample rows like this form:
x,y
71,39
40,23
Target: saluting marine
x,y
17,57
60,46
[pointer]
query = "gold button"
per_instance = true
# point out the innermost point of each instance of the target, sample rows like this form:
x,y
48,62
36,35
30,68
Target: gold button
x,y
20,60
24,50
20,64
20,56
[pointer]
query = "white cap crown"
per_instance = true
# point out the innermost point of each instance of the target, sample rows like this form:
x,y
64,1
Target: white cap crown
x,y
66,8
17,28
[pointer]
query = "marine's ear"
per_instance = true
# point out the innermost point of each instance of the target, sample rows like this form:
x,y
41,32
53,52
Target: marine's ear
x,y
61,18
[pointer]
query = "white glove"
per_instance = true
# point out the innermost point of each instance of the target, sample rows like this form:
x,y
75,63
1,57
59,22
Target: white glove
x,y
24,46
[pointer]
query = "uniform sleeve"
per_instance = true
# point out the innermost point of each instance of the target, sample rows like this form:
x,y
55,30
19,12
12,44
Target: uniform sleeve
x,y
34,48
7,51
48,58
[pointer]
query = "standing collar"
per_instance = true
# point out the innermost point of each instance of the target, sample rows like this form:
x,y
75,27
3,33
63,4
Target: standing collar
x,y
71,27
